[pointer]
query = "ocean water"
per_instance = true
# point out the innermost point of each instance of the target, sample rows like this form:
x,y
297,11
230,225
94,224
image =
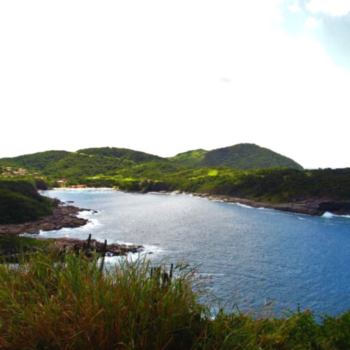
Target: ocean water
x,y
247,257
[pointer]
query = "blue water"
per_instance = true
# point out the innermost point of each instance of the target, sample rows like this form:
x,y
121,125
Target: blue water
x,y
246,256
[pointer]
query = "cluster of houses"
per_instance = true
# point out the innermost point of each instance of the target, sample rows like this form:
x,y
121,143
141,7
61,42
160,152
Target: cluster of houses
x,y
9,171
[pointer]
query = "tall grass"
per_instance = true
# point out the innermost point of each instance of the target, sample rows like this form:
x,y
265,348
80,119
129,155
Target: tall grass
x,y
47,303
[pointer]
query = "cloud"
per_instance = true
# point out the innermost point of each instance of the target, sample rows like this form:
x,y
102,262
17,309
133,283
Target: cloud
x,y
295,7
312,23
331,7
325,21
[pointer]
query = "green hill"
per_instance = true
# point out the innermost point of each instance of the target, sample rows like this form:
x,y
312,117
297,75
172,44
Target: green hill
x,y
80,164
124,153
247,156
190,158
20,202
37,161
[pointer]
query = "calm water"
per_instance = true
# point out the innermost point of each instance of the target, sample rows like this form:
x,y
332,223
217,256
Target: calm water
x,y
253,255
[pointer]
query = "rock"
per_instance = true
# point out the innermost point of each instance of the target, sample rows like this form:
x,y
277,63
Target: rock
x,y
113,249
63,216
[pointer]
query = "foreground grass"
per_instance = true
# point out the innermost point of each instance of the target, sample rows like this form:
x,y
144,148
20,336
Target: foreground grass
x,y
47,303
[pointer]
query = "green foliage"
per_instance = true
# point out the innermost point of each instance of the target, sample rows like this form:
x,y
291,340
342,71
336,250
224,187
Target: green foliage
x,y
124,153
78,165
22,244
137,171
247,156
36,161
280,185
213,173
20,202
48,303
190,158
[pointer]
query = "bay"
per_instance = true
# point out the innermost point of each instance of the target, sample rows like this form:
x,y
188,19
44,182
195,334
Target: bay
x,y
249,257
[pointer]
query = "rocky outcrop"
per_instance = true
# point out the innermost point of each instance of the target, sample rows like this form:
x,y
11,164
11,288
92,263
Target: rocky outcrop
x,y
63,216
11,253
113,249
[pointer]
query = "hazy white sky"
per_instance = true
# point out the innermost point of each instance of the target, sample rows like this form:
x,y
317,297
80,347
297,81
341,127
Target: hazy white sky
x,y
168,76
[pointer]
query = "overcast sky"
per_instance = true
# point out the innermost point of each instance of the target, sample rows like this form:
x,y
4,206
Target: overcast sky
x,y
165,77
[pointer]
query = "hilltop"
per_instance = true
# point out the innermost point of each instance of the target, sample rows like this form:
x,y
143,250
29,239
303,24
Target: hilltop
x,y
244,156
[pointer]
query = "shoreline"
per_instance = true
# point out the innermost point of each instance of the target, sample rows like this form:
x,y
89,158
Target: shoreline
x,y
311,207
64,216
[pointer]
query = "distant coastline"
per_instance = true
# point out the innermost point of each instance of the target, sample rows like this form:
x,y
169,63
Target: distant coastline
x,y
312,207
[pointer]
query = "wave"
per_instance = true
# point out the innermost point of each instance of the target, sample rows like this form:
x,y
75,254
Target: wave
x,y
91,225
245,206
148,251
329,215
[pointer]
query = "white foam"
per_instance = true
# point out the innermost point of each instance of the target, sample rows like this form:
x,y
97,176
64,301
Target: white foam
x,y
244,206
147,251
329,215
207,275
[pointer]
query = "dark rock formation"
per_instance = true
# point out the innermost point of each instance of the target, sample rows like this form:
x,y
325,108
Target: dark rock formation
x,y
113,249
11,254
63,216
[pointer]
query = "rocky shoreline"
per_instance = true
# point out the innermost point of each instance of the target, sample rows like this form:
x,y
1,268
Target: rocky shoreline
x,y
63,216
313,207
90,245
10,253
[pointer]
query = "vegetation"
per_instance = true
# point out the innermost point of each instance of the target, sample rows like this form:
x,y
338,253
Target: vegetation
x,y
278,185
225,171
191,158
48,303
80,164
20,202
18,244
123,153
93,161
36,161
244,156
247,156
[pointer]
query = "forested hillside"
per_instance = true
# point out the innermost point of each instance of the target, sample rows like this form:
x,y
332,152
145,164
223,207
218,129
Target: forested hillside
x,y
194,171
37,161
123,153
20,202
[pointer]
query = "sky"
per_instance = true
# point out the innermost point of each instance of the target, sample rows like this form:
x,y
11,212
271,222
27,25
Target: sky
x,y
166,77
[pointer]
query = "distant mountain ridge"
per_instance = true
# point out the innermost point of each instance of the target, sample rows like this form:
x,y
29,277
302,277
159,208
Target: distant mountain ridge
x,y
101,160
244,156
